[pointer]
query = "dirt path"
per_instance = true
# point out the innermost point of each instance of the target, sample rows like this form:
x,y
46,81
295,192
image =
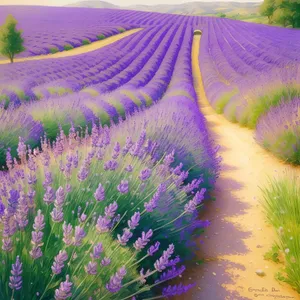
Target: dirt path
x,y
233,247
79,50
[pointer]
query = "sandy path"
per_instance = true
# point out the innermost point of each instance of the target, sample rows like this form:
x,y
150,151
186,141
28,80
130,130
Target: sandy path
x,y
234,245
79,50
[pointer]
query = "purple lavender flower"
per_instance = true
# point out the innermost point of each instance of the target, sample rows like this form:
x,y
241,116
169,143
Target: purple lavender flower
x,y
144,276
32,178
67,232
22,212
9,159
64,291
2,208
163,261
193,185
176,290
57,215
22,149
79,235
110,210
105,261
115,283
110,165
48,179
134,221
100,193
145,174
36,252
129,168
177,169
116,152
97,250
154,248
49,195
91,268
127,234
123,187
15,281
83,174
127,146
60,197
39,221
59,261
142,242
13,202
190,207
169,159
170,274
7,245
103,224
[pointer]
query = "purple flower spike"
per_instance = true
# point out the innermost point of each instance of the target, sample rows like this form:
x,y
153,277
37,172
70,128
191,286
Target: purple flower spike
x,y
129,168
100,193
170,274
134,221
176,290
67,233
127,234
169,158
154,248
64,291
145,174
110,210
115,283
163,261
39,221
59,261
105,261
142,242
49,195
123,187
79,236
103,224
83,173
116,152
15,281
91,268
111,165
97,250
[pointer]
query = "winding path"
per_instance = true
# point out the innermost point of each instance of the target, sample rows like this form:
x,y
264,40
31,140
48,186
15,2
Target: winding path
x,y
234,245
79,50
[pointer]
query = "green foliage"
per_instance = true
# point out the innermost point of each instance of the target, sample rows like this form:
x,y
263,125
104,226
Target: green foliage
x,y
11,41
282,206
223,100
259,106
221,15
101,37
267,9
121,30
54,50
272,254
86,42
283,12
68,47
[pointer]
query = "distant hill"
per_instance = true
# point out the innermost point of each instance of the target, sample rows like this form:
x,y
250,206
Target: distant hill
x,y
192,8
93,4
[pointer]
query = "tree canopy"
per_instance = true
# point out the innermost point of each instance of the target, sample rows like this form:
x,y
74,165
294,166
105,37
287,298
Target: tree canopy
x,y
11,41
284,12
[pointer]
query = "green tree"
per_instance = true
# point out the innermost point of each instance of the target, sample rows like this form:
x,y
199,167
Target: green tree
x,y
290,12
11,41
267,9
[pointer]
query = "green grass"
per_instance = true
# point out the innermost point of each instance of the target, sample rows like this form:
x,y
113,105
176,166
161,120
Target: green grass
x,y
101,37
121,30
223,100
86,42
282,206
54,50
259,106
273,254
68,47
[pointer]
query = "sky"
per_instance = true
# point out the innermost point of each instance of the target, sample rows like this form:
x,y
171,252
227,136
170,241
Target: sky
x,y
117,2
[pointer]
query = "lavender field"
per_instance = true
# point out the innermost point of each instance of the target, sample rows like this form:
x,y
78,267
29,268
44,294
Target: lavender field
x,y
111,158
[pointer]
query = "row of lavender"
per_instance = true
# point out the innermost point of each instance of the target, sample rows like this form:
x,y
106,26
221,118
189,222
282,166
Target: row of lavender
x,y
111,215
141,82
108,213
247,69
52,29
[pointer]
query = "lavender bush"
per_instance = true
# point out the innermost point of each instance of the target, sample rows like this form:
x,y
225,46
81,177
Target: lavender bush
x,y
90,204
279,131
